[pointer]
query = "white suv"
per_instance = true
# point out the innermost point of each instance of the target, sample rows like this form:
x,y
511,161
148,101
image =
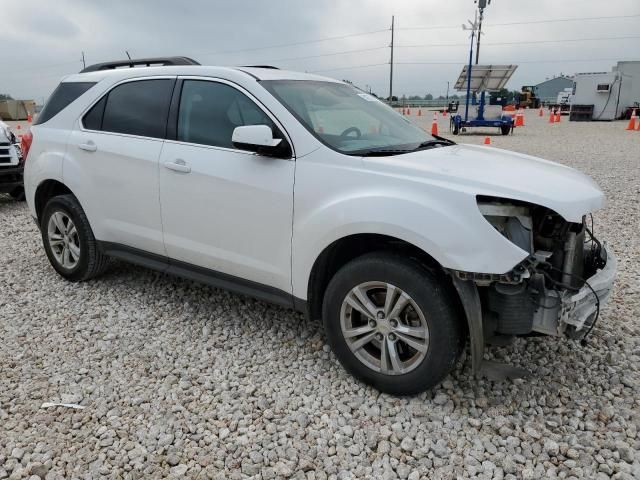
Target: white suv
x,y
306,192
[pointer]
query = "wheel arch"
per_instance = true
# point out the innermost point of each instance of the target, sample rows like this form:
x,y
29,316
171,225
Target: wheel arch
x,y
349,247
45,191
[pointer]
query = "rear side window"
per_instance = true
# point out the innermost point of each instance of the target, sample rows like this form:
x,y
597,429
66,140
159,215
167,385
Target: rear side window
x,y
135,108
61,97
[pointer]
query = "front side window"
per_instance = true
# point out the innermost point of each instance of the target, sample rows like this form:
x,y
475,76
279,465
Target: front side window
x,y
347,119
135,108
210,111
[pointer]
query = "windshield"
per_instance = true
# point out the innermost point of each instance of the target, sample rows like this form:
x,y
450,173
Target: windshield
x,y
347,119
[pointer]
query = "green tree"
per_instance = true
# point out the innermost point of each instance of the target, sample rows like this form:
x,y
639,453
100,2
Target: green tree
x,y
428,96
5,96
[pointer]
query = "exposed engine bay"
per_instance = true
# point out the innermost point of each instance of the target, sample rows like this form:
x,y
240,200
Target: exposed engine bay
x,y
558,289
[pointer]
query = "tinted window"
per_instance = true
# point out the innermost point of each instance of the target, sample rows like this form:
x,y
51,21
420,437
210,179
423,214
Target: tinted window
x,y
93,119
61,97
210,111
138,108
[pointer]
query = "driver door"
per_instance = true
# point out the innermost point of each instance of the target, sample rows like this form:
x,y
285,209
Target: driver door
x,y
225,209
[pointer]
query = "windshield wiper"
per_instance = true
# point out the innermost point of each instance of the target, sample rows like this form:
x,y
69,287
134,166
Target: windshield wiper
x,y
438,141
382,152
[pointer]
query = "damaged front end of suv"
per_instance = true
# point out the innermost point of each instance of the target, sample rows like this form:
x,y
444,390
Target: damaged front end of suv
x,y
557,289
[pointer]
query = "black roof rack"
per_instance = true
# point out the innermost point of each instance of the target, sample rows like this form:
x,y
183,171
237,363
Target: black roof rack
x,y
140,62
260,66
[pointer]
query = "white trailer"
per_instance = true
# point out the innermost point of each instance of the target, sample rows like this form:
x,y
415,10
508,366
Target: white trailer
x,y
610,93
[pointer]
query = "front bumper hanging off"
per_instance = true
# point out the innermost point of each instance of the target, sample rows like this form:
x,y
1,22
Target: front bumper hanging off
x,y
572,313
564,313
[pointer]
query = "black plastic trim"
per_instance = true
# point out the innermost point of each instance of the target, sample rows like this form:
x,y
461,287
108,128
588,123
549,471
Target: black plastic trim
x,y
163,61
174,108
203,275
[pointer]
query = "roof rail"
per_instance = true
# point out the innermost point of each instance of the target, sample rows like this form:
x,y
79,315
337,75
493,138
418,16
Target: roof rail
x,y
260,66
140,62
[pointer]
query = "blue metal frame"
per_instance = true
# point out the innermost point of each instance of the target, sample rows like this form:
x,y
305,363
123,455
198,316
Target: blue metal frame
x,y
479,121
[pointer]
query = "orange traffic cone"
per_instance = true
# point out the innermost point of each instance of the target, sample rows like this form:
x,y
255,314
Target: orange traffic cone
x,y
419,112
541,112
519,121
434,125
632,121
558,116
408,111
552,117
29,118
487,140
444,113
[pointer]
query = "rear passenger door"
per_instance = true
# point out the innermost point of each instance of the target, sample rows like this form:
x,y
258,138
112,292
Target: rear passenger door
x,y
112,163
225,209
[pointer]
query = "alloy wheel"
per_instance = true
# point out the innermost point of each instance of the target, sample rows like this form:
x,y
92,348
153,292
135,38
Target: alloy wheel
x,y
384,328
63,240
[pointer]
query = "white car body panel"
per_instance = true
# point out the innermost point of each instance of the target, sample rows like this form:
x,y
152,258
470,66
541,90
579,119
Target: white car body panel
x,y
427,198
231,213
118,187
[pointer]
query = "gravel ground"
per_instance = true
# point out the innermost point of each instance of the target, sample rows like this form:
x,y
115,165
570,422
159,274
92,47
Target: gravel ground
x,y
178,379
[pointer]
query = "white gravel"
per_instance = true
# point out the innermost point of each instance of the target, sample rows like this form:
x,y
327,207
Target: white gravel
x,y
181,380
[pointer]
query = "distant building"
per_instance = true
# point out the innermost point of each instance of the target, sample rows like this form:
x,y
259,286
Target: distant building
x,y
548,90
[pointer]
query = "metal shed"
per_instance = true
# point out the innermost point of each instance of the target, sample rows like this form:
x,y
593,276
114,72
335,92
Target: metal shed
x,y
548,90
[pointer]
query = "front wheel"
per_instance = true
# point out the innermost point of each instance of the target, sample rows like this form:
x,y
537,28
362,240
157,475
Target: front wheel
x,y
505,129
392,323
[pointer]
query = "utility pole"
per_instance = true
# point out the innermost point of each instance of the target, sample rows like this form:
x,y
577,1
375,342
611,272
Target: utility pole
x,y
391,63
482,4
84,65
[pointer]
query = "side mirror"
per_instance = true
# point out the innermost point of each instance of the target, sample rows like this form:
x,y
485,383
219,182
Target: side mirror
x,y
257,138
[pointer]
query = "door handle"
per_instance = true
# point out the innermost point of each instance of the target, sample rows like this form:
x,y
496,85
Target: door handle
x,y
89,146
178,166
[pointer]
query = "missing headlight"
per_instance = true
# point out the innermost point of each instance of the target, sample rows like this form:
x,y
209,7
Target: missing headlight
x,y
512,220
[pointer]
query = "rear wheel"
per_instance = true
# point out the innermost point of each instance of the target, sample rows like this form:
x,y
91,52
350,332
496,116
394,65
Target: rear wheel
x,y
392,323
505,129
69,241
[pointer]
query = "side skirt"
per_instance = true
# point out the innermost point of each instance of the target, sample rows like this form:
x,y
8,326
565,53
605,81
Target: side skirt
x,y
203,275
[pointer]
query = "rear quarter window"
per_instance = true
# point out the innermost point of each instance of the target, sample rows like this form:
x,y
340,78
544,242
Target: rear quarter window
x,y
61,97
136,108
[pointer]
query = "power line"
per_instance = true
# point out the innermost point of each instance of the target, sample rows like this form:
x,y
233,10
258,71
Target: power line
x,y
32,69
559,20
527,22
577,60
346,52
531,42
283,45
349,68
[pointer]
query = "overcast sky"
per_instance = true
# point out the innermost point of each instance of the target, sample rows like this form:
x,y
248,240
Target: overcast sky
x,y
42,40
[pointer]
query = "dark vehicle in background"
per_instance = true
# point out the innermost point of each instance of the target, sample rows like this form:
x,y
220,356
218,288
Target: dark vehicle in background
x,y
11,163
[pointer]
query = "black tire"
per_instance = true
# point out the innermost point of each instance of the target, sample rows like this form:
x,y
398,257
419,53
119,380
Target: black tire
x,y
428,290
18,194
91,261
505,129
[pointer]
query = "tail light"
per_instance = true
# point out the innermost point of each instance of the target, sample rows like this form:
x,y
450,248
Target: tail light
x,y
25,145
